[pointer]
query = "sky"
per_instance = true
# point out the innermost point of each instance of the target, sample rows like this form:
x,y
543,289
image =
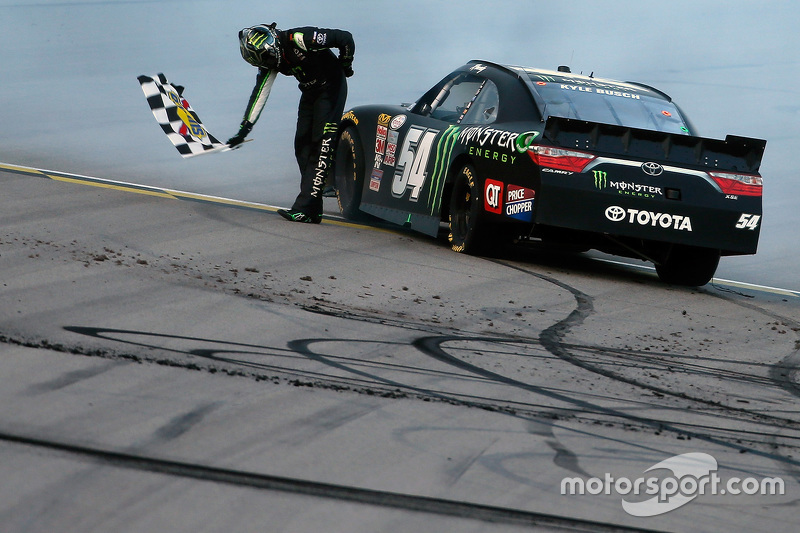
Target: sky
x,y
71,101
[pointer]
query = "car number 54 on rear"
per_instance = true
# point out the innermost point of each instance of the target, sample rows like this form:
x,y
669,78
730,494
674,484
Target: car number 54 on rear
x,y
747,221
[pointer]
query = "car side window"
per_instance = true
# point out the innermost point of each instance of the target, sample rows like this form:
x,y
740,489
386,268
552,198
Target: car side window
x,y
484,109
454,100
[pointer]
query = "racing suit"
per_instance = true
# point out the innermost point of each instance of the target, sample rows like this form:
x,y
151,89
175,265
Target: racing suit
x,y
306,55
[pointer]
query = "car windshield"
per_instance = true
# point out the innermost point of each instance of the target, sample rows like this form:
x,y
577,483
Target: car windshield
x,y
606,102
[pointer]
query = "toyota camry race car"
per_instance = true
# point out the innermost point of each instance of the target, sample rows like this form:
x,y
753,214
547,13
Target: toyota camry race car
x,y
509,154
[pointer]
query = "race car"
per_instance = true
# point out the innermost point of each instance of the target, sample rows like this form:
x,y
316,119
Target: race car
x,y
508,154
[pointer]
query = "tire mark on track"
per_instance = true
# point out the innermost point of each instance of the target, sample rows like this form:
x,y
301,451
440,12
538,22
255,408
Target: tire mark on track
x,y
380,498
552,338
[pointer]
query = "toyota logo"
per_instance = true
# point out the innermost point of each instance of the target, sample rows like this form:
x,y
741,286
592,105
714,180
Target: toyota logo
x,y
615,213
652,169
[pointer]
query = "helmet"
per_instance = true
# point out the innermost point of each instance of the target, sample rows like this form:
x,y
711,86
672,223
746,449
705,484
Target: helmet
x,y
260,47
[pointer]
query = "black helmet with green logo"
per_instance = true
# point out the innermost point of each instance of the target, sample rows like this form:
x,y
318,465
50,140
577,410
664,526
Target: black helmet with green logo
x,y
260,46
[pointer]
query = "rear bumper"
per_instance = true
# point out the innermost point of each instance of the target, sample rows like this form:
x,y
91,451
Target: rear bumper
x,y
653,219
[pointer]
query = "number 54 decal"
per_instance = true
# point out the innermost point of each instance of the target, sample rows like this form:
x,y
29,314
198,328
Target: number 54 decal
x,y
748,221
412,162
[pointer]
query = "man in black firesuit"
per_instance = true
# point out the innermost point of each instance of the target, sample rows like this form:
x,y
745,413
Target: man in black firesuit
x,y
305,54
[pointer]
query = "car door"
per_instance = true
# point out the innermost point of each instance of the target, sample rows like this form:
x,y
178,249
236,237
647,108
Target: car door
x,y
413,153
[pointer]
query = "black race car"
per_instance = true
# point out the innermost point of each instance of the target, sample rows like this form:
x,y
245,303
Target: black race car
x,y
506,153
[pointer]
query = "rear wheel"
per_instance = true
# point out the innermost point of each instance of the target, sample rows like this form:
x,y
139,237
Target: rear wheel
x,y
688,265
349,174
467,234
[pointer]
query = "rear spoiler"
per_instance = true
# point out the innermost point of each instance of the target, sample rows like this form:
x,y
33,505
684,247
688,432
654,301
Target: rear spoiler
x,y
740,154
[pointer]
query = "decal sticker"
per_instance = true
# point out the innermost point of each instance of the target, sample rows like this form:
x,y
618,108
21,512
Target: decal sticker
x,y
382,131
493,196
494,155
375,180
298,39
747,221
616,213
413,161
519,203
625,188
397,122
350,116
320,38
608,92
383,119
380,146
444,152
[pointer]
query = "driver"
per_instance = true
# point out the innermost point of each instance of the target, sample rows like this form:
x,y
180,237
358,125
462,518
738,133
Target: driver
x,y
305,54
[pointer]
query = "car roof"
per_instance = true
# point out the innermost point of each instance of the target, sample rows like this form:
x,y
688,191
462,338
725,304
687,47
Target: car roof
x,y
530,74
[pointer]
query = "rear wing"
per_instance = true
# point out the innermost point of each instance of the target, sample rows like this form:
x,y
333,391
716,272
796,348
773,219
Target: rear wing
x,y
740,154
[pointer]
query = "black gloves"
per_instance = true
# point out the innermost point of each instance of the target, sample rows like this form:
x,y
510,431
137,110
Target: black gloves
x,y
244,131
347,65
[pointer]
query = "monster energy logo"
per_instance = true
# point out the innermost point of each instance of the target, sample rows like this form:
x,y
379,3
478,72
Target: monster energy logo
x,y
330,127
600,179
444,151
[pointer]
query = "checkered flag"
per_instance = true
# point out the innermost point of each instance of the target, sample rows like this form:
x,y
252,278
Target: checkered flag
x,y
177,118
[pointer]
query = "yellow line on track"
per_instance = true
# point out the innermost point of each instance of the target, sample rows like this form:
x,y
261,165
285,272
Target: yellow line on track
x,y
163,193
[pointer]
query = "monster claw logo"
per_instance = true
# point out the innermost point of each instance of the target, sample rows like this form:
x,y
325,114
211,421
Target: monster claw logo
x,y
600,179
190,125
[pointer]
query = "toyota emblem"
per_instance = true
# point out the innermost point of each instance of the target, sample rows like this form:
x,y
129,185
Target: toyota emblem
x,y
652,169
615,213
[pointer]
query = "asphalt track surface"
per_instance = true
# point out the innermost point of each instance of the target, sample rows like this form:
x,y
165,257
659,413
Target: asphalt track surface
x,y
179,362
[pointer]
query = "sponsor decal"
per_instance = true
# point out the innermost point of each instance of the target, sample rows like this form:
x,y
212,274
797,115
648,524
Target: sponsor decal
x,y
320,38
519,203
493,196
389,160
299,40
494,155
653,219
747,221
350,116
383,119
443,151
378,160
382,131
380,145
397,122
477,68
597,90
375,180
485,136
652,169
625,188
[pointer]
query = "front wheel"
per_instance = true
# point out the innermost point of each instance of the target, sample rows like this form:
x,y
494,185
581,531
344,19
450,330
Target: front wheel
x,y
688,265
349,174
466,232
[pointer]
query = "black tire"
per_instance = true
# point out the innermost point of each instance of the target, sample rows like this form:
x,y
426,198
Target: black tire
x,y
349,174
467,234
688,265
